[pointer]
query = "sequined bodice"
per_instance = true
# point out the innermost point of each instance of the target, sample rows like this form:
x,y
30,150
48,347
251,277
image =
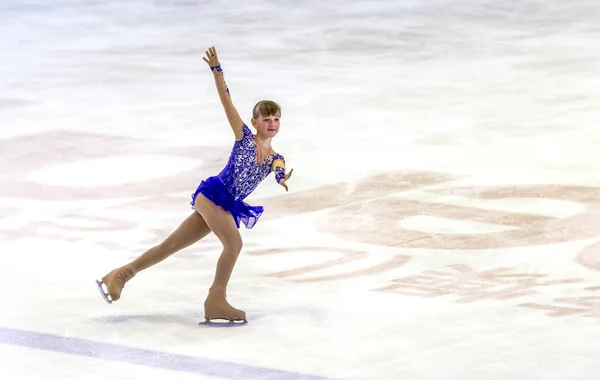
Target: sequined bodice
x,y
242,174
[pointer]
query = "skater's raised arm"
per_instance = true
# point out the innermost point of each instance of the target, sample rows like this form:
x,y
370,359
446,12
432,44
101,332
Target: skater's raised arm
x,y
231,112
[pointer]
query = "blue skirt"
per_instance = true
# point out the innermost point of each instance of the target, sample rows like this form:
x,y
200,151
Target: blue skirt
x,y
215,191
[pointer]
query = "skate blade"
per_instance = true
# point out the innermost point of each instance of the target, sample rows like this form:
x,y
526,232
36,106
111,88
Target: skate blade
x,y
223,323
105,295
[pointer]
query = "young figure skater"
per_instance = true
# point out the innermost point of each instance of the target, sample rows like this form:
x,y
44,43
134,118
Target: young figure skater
x,y
218,202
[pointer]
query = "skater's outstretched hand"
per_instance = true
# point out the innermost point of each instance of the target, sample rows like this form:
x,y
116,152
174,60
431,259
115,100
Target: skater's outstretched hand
x,y
211,57
287,176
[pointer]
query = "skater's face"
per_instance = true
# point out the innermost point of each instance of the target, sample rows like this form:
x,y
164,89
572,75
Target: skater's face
x,y
267,126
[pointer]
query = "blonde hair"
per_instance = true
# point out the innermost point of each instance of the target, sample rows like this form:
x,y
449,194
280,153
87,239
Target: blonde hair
x,y
266,108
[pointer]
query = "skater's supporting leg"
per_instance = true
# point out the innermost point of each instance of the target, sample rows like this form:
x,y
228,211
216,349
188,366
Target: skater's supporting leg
x,y
222,224
190,231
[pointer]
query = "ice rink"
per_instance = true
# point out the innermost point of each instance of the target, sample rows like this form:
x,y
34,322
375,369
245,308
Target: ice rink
x,y
443,218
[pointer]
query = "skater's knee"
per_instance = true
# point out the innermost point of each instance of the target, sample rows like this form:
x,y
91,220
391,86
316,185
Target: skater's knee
x,y
237,245
234,245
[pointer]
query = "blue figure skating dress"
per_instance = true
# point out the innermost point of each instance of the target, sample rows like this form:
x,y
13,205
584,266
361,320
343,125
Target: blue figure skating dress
x,y
237,180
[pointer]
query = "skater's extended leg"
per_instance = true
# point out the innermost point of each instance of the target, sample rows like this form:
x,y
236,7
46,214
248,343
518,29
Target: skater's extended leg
x,y
190,231
222,224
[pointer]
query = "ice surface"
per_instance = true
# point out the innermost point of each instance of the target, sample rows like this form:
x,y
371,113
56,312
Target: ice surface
x,y
443,218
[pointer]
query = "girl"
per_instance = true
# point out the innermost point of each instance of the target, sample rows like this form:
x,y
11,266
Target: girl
x,y
218,202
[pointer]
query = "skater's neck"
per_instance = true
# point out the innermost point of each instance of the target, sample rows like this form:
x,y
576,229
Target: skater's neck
x,y
263,142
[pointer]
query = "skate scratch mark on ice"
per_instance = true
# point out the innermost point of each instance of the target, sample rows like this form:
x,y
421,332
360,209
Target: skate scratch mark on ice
x,y
149,358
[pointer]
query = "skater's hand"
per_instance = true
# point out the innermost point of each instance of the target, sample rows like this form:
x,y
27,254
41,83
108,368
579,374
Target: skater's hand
x,y
211,57
287,176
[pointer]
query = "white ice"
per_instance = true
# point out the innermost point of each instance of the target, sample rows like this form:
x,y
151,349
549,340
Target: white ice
x,y
442,215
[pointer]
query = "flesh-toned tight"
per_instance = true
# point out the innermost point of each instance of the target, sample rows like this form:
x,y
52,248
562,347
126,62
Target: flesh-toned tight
x,y
207,217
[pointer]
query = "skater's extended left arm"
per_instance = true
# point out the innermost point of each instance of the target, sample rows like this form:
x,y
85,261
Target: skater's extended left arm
x,y
231,112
